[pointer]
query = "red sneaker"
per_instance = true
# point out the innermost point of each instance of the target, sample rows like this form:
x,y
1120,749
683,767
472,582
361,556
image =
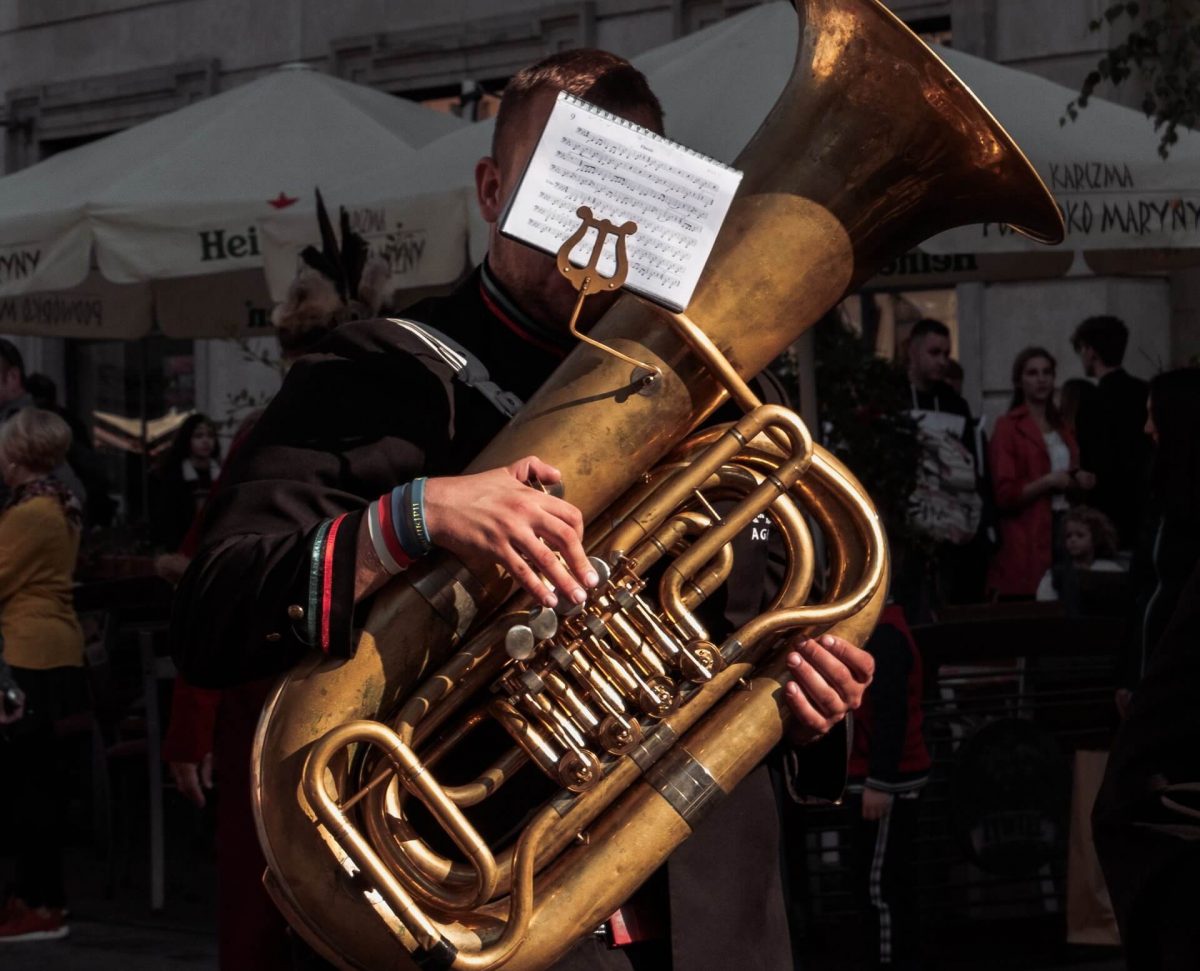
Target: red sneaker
x,y
10,907
33,924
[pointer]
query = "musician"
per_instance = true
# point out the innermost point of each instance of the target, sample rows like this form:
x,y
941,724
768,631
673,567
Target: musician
x,y
375,408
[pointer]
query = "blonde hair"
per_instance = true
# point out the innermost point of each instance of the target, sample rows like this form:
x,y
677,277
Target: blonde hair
x,y
35,439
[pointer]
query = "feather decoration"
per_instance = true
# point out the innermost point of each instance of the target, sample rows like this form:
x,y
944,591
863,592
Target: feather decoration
x,y
341,265
354,256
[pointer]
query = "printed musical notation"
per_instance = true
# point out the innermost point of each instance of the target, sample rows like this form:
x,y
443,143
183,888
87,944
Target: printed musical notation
x,y
677,197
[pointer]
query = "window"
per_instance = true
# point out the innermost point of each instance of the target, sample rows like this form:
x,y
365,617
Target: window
x,y
933,30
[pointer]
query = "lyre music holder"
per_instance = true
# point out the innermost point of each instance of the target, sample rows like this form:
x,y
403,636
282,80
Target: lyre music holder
x,y
588,280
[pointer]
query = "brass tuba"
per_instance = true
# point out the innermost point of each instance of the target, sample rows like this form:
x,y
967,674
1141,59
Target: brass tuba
x,y
619,721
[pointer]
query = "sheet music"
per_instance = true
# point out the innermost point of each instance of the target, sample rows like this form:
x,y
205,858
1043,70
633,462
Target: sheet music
x,y
621,171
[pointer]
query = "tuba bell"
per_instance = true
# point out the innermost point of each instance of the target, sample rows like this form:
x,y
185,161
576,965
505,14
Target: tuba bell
x,y
617,721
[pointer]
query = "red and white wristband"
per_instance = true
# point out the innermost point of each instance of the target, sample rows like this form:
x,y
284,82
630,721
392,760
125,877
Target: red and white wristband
x,y
396,526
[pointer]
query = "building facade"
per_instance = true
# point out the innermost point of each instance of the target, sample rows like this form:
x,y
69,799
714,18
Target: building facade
x,y
75,70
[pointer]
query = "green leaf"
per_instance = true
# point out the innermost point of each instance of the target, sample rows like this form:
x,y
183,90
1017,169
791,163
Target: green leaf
x,y
1162,48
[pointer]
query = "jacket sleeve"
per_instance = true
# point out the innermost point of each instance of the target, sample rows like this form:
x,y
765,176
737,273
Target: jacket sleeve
x,y
273,578
888,696
815,775
1089,428
1006,467
192,727
253,604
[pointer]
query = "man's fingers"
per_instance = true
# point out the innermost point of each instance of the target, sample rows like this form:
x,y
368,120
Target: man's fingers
x,y
820,694
513,560
859,662
532,467
846,667
803,710
562,537
542,558
563,510
821,670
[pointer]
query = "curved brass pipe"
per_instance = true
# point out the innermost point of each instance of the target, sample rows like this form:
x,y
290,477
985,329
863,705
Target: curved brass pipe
x,y
357,847
775,484
740,480
865,521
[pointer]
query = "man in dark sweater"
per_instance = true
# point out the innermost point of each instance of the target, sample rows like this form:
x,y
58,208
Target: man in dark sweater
x,y
374,406
1109,426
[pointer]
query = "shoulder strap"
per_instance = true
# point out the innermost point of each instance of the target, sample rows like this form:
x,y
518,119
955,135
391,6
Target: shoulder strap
x,y
466,366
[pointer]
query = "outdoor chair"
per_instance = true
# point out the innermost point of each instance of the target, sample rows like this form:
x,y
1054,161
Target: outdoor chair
x,y
127,736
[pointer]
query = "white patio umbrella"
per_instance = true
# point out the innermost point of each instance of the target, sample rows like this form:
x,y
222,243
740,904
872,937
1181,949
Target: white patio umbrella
x,y
1117,194
180,197
424,223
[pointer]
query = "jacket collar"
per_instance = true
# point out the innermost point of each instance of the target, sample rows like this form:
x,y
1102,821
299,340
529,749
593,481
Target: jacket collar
x,y
1025,424
509,313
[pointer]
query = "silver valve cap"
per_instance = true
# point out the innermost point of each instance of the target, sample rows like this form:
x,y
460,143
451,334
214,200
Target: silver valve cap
x,y
543,621
603,571
519,642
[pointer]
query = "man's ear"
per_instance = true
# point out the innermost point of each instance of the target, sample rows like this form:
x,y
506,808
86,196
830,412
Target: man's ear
x,y
488,184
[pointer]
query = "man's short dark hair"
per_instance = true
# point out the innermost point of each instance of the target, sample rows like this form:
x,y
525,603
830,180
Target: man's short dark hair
x,y
927,325
10,357
42,390
604,79
1106,335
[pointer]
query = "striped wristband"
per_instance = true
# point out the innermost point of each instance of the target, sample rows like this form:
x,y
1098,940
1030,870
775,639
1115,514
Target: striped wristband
x,y
396,526
383,537
416,510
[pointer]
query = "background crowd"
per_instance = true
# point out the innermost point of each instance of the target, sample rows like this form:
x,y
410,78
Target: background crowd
x,y
1069,482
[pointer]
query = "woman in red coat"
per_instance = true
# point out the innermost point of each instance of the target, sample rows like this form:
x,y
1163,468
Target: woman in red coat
x,y
1035,463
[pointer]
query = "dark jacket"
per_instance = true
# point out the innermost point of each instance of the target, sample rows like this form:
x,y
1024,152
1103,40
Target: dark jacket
x,y
888,751
177,495
1113,445
1151,854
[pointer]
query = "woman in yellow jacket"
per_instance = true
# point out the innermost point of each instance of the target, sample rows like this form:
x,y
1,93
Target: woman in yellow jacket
x,y
42,645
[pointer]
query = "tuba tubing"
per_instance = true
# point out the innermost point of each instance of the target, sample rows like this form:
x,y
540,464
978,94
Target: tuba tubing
x,y
873,145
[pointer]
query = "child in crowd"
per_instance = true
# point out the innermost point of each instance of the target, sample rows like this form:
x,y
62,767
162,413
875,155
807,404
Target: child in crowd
x,y
1090,543
889,764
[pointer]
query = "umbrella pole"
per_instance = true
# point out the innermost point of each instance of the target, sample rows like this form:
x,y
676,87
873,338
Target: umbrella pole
x,y
143,397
